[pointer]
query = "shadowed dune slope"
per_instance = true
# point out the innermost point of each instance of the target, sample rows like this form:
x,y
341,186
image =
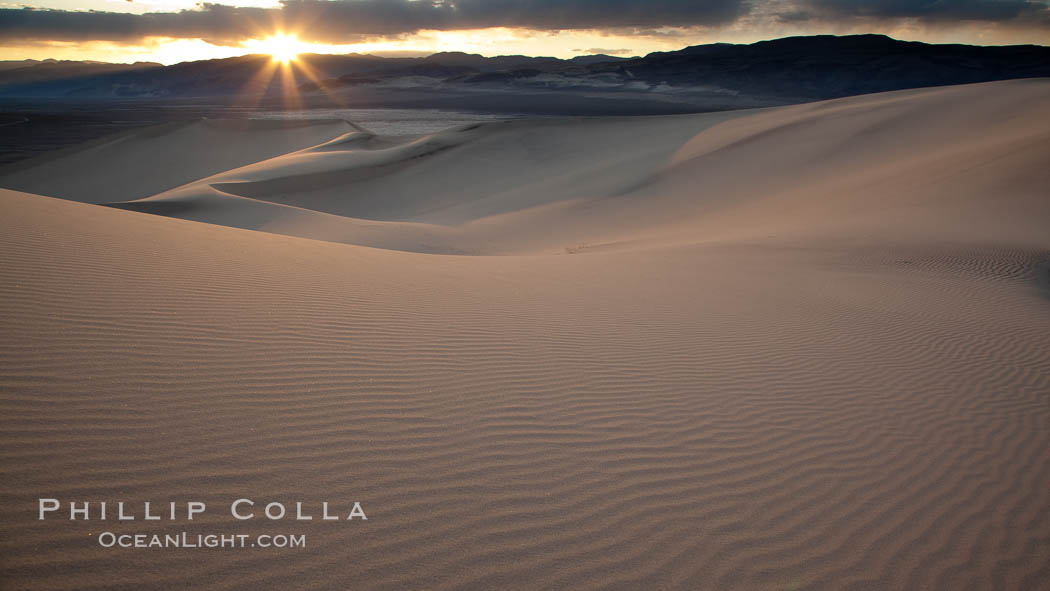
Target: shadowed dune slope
x,y
147,161
806,349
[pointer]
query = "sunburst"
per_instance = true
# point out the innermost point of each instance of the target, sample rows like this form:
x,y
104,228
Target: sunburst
x,y
282,47
289,66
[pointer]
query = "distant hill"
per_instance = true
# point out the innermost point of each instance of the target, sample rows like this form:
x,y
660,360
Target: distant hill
x,y
718,75
27,74
827,66
236,75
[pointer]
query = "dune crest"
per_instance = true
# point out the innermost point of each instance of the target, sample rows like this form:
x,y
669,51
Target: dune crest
x,y
143,162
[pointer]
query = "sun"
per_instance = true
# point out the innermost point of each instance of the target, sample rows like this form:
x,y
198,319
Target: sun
x,y
284,48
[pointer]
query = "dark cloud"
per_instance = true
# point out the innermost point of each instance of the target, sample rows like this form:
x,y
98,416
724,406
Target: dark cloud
x,y
928,11
350,20
347,21
595,14
212,22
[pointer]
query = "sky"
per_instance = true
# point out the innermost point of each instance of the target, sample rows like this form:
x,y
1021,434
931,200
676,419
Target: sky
x,y
171,31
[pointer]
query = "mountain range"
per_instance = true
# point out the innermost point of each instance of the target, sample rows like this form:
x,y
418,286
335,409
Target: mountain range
x,y
702,77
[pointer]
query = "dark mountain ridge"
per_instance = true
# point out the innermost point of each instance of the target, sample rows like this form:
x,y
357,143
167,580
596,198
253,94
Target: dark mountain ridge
x,y
701,77
826,66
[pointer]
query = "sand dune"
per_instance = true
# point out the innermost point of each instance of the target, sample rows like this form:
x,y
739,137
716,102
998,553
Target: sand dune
x,y
141,163
519,187
800,348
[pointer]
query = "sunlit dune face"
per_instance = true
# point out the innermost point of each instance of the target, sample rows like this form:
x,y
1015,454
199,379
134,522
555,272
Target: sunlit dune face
x,y
283,48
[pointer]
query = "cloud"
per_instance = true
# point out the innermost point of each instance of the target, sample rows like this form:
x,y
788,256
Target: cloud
x,y
933,12
346,21
595,14
211,21
349,21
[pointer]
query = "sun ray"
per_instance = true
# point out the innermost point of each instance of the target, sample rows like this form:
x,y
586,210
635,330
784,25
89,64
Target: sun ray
x,y
304,67
289,89
256,89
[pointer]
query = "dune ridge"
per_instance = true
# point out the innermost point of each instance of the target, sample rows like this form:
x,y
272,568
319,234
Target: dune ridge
x,y
798,348
143,162
835,167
